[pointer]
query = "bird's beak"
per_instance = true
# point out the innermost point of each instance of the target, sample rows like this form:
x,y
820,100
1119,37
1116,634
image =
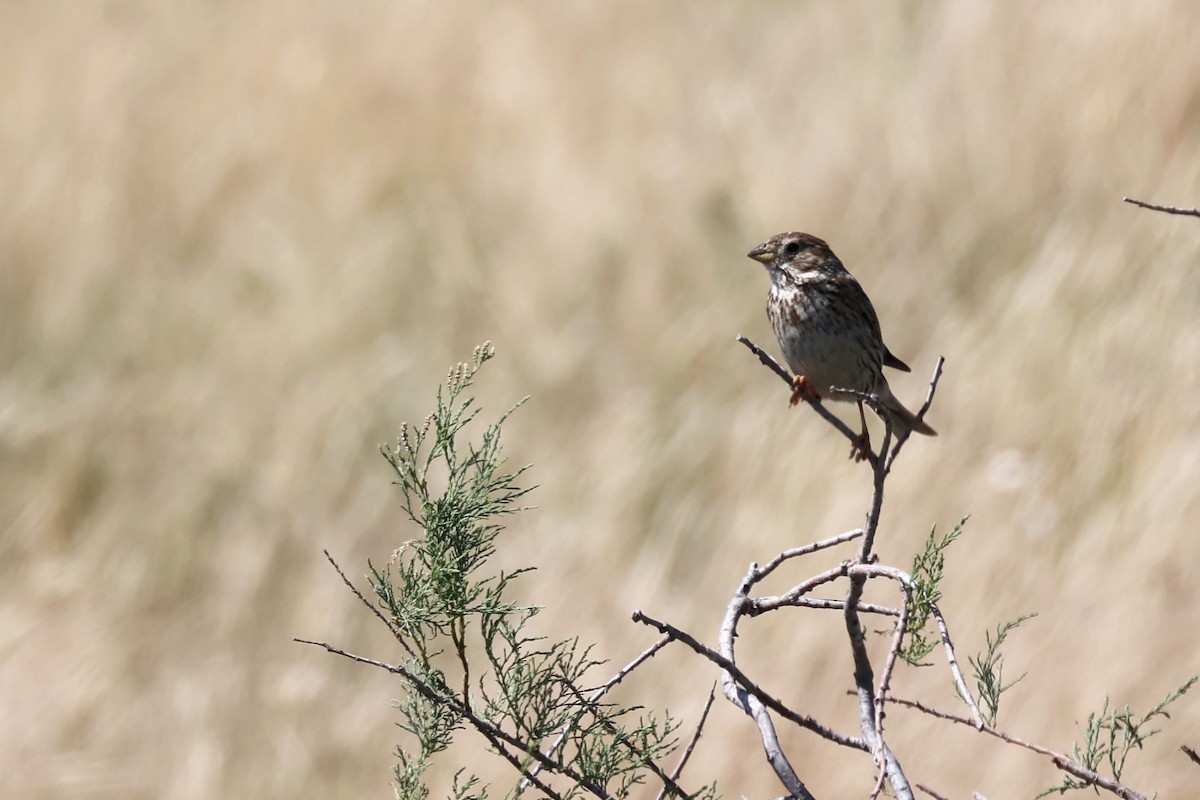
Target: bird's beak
x,y
764,254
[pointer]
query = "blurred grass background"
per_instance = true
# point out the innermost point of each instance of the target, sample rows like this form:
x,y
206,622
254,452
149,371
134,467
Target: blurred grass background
x,y
240,242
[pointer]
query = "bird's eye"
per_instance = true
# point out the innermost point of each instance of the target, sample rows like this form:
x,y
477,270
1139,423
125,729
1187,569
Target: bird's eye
x,y
791,248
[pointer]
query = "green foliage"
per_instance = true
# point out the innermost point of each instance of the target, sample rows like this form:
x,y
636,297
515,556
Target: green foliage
x,y
988,667
1110,735
927,571
472,661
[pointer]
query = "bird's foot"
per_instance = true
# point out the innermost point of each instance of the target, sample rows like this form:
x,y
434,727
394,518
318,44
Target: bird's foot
x,y
860,447
801,390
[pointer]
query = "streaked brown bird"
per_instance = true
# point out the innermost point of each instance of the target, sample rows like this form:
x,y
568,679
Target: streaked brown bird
x,y
829,332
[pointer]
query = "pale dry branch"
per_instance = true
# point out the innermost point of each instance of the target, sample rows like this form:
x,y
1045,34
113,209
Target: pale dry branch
x,y
889,664
839,605
795,552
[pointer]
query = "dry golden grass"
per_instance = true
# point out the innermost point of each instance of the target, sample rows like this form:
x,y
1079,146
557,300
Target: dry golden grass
x,y
240,242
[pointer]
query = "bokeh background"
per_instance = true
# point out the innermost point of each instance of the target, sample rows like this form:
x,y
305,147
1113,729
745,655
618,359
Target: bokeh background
x,y
240,242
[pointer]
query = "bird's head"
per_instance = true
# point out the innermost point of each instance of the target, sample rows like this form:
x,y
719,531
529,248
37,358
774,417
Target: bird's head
x,y
795,253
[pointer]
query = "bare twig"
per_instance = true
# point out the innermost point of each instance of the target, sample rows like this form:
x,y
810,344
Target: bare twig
x,y
691,745
889,664
767,360
396,632
921,412
839,605
879,781
930,792
750,686
771,565
1061,761
1190,212
1190,753
787,377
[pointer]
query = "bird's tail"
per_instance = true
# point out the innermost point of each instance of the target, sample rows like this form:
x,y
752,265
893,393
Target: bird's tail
x,y
902,418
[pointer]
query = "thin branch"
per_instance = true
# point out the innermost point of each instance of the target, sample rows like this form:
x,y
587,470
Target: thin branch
x,y
642,658
930,792
787,377
1190,212
838,605
1061,761
879,781
921,412
691,745
767,360
1190,753
495,735
879,473
762,572
750,686
889,664
399,636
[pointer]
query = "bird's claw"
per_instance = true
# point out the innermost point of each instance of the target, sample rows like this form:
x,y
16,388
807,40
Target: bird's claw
x,y
860,447
801,390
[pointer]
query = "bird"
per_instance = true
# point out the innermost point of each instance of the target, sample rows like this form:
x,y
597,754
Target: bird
x,y
829,332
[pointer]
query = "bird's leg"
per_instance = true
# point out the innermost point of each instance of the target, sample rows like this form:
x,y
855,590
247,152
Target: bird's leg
x,y
802,391
860,447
